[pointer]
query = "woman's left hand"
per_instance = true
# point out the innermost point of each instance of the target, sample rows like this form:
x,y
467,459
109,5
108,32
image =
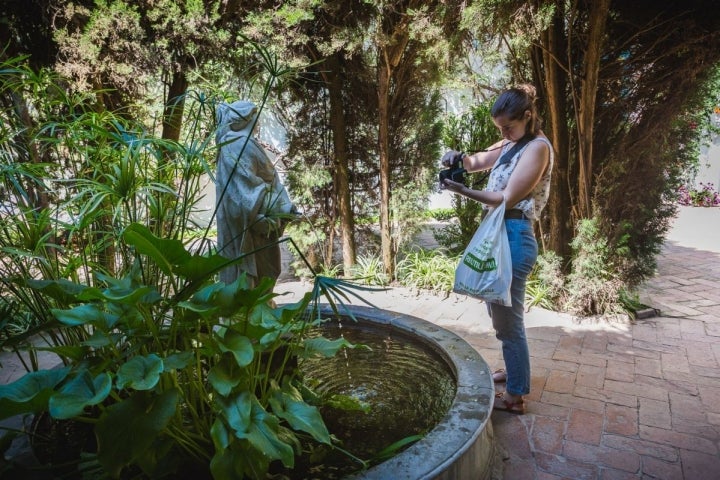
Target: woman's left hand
x,y
455,187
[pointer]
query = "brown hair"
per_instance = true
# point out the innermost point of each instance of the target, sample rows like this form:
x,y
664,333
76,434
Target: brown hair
x,y
514,102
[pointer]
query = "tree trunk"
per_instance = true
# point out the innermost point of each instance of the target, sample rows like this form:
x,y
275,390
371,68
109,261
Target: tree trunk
x,y
384,74
341,171
587,102
555,84
175,106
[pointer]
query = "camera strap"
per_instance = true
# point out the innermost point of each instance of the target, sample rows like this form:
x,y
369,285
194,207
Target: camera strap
x,y
508,156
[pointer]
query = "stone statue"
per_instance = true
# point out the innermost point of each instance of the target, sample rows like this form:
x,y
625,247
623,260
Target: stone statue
x,y
252,203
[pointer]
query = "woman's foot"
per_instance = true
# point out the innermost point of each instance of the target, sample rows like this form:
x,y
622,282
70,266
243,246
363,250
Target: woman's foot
x,y
506,402
499,376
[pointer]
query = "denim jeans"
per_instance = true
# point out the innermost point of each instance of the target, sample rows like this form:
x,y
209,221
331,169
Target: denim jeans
x,y
509,322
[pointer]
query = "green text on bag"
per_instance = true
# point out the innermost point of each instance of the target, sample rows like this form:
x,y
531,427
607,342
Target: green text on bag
x,y
479,264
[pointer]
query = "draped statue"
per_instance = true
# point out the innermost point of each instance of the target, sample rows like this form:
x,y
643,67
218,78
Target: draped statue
x,y
252,203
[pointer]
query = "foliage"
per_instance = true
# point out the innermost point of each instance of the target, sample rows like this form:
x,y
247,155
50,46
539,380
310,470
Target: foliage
x,y
415,152
427,269
626,90
176,382
369,270
469,132
73,179
545,286
442,214
705,196
592,286
170,368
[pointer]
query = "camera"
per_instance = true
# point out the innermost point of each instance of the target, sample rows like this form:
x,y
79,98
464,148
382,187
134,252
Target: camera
x,y
454,172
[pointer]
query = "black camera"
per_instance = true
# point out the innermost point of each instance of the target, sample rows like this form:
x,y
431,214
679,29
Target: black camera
x,y
454,172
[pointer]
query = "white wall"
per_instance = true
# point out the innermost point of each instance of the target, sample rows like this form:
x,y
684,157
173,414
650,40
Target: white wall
x,y
709,164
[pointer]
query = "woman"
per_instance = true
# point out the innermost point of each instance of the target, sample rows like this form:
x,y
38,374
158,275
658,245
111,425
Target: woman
x,y
524,182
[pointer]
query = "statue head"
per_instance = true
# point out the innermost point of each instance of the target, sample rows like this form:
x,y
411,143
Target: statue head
x,y
238,117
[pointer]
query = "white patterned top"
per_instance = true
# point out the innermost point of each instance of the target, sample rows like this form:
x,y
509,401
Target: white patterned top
x,y
534,203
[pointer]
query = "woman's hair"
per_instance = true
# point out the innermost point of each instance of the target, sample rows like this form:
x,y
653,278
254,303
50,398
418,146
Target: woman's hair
x,y
514,102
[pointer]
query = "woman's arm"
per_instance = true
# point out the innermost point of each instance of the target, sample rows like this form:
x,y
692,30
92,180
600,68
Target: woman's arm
x,y
483,160
528,172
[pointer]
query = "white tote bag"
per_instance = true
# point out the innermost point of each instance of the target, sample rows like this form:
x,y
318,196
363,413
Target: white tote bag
x,y
485,269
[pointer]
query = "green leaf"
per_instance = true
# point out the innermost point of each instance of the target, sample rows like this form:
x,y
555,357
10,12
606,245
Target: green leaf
x,y
239,460
178,361
220,435
289,405
140,373
99,339
249,420
165,253
171,256
128,295
237,344
263,436
325,347
392,449
64,291
198,267
73,352
347,403
236,411
225,465
224,377
128,428
30,393
82,391
87,313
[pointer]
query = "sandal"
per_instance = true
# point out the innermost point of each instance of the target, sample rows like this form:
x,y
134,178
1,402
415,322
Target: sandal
x,y
499,376
500,403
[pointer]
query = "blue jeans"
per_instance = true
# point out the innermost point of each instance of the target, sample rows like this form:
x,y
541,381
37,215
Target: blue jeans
x,y
509,322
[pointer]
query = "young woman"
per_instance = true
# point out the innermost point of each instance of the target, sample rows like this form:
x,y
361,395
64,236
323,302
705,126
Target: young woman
x,y
523,183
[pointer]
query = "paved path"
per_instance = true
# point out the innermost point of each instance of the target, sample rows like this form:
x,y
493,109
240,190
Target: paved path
x,y
610,399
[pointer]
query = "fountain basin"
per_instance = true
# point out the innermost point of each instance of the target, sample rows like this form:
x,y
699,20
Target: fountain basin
x,y
461,445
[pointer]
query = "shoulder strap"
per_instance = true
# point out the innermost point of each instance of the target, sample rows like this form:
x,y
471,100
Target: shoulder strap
x,y
507,156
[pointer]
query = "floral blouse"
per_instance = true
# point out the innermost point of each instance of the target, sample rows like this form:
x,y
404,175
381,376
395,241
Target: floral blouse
x,y
534,203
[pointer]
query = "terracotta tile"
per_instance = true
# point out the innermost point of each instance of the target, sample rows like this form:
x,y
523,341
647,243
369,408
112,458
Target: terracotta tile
x,y
585,427
603,456
661,470
560,382
679,440
560,466
621,420
620,371
655,413
547,435
590,376
699,465
641,446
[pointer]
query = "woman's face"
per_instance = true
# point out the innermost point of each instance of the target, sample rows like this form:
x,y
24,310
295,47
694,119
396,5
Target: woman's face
x,y
512,130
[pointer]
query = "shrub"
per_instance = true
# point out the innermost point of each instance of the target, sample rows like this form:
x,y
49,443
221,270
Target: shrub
x,y
442,214
369,270
427,269
705,196
546,284
593,288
